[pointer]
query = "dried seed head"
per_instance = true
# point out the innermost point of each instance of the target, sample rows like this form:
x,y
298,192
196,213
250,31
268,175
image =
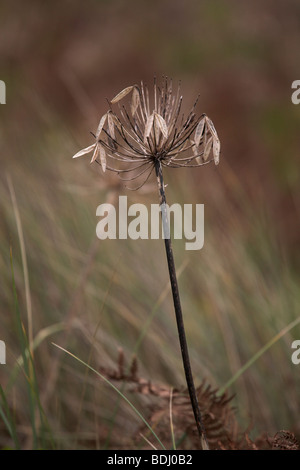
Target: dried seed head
x,y
131,140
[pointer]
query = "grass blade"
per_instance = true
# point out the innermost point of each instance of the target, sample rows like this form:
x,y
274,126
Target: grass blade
x,y
116,389
29,371
257,355
7,419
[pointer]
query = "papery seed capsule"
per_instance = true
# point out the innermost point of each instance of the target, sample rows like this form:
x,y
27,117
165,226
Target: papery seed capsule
x,y
111,125
207,149
100,125
199,131
211,127
95,154
122,94
148,127
103,158
135,100
216,150
162,125
84,151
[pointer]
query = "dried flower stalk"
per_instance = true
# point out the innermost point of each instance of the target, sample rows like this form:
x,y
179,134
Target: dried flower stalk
x,y
135,142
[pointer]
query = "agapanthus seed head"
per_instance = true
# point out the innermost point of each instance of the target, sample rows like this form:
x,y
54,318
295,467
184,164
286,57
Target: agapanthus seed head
x,y
136,133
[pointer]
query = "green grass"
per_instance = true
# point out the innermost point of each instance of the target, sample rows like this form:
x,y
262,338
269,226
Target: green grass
x,y
40,436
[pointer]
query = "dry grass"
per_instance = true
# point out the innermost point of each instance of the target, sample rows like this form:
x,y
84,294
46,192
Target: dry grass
x,y
240,294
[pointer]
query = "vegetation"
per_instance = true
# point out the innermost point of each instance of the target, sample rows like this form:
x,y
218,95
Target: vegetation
x,y
81,316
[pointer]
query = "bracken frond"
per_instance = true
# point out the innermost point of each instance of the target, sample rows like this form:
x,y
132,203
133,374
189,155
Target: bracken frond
x,y
222,429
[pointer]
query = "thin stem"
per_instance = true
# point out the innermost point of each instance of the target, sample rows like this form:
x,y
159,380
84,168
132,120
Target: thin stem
x,y
178,310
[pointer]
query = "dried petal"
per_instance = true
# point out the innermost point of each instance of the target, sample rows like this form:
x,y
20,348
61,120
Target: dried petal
x,y
102,157
122,94
131,133
199,131
162,125
207,149
216,150
84,151
100,126
95,154
148,127
135,100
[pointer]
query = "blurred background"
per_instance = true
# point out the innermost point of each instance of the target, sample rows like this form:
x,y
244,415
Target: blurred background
x,y
61,62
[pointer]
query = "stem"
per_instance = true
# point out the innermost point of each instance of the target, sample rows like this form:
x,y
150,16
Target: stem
x,y
178,310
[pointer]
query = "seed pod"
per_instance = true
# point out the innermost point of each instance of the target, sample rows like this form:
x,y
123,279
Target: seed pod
x,y
116,121
216,150
122,94
100,126
162,125
111,125
195,151
199,131
135,100
148,127
211,127
207,149
95,154
102,157
84,151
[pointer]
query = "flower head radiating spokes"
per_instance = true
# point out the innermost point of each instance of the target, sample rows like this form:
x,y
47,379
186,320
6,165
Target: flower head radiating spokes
x,y
132,138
